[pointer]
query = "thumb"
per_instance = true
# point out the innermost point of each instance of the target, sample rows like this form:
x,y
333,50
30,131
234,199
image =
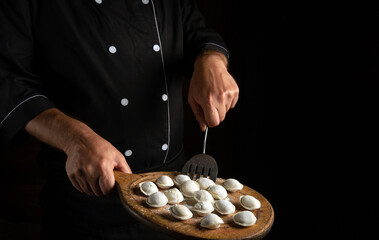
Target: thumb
x,y
211,115
121,165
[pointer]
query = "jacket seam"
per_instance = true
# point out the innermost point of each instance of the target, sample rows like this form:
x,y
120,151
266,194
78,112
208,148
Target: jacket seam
x,y
18,105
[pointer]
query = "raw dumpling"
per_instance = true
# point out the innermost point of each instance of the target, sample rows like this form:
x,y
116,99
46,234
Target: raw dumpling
x,y
181,178
157,199
174,196
148,188
211,221
202,208
180,212
218,191
244,218
205,183
232,185
164,182
224,207
250,202
203,195
189,187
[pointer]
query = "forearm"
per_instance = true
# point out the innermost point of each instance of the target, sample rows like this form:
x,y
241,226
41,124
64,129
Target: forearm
x,y
55,128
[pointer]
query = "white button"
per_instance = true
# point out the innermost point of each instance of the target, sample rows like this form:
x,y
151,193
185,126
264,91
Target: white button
x,y
112,49
164,147
145,1
98,1
164,97
124,101
128,153
156,47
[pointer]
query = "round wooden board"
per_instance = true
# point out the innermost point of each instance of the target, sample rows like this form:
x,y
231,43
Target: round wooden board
x,y
162,220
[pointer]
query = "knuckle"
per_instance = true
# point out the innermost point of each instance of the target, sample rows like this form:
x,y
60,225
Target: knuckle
x,y
103,163
209,101
213,122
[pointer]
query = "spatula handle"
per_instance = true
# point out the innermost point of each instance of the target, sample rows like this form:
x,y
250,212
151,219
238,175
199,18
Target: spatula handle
x,y
205,139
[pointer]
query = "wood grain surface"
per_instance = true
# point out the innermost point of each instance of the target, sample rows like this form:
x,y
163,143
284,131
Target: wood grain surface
x,y
160,218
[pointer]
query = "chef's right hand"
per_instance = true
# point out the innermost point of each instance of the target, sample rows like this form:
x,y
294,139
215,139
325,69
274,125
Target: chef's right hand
x,y
90,163
90,158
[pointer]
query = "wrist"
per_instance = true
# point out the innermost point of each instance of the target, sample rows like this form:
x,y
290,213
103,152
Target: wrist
x,y
77,135
211,59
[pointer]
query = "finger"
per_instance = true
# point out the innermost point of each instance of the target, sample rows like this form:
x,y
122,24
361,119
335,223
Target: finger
x,y
107,182
234,100
88,189
95,187
75,184
221,110
203,127
84,184
122,165
91,177
227,106
198,113
212,116
85,187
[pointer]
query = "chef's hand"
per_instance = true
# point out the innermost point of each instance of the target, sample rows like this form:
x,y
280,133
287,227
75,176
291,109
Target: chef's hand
x,y
212,91
90,163
90,158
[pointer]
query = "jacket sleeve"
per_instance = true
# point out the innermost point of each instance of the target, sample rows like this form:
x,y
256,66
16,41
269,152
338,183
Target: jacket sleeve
x,y
21,94
197,35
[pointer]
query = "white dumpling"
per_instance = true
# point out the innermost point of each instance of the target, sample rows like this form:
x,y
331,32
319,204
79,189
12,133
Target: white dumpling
x,y
218,191
205,183
232,185
181,178
174,196
202,208
203,195
211,221
180,212
164,182
148,188
189,187
157,199
249,202
224,207
244,218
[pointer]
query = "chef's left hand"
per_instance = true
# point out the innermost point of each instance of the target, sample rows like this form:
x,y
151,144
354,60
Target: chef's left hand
x,y
212,91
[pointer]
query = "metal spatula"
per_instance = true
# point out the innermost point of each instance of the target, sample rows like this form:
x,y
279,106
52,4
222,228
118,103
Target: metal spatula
x,y
201,165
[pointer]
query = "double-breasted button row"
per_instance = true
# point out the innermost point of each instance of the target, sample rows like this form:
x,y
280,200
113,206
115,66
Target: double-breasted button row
x,y
125,101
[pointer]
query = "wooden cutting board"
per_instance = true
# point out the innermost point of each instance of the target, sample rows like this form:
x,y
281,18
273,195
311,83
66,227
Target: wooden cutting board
x,y
161,219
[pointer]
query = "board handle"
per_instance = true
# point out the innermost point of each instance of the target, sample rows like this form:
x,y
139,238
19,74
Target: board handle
x,y
125,178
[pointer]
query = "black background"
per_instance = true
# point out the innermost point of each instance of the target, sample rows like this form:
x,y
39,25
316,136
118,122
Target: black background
x,y
304,131
303,134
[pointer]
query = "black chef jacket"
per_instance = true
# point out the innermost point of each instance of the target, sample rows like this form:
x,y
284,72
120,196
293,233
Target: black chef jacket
x,y
116,65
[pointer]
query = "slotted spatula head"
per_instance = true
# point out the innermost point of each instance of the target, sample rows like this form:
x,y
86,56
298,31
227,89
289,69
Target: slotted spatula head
x,y
201,165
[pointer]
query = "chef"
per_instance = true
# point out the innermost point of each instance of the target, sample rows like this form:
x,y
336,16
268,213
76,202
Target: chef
x,y
99,82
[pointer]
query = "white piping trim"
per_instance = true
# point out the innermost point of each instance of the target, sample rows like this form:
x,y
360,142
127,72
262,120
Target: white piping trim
x,y
165,80
39,95
217,45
